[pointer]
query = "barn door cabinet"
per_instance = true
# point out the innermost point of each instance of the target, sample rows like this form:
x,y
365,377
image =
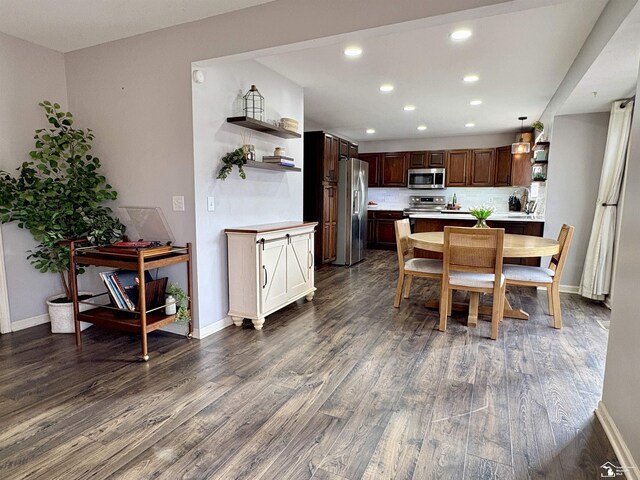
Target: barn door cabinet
x,y
270,266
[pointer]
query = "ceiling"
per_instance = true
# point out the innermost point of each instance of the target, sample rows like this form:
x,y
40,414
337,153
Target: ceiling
x,y
521,58
67,25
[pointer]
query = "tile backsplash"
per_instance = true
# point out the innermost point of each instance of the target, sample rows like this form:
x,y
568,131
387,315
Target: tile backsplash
x,y
397,198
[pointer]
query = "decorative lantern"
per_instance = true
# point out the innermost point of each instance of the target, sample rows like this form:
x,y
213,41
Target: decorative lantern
x,y
521,146
254,104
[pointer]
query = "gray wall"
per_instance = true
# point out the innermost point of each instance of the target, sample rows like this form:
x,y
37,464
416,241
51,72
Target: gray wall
x,y
28,75
622,375
575,162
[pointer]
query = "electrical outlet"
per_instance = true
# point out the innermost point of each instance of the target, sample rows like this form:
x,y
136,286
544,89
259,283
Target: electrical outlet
x,y
211,204
178,203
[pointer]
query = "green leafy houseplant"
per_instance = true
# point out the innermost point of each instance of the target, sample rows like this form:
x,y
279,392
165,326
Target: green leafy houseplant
x,y
237,157
59,194
182,302
538,125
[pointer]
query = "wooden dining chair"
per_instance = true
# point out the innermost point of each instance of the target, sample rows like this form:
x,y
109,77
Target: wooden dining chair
x,y
409,267
545,277
473,262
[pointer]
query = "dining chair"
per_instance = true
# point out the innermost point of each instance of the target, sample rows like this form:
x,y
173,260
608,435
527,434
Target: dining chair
x,y
548,278
409,267
473,262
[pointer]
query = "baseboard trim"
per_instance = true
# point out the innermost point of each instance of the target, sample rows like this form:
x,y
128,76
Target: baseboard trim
x,y
29,322
617,442
213,328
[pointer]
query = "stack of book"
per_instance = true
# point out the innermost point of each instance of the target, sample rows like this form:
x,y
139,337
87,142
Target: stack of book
x,y
280,160
123,287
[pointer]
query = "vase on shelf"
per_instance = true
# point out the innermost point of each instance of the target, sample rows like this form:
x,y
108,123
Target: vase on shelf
x,y
481,223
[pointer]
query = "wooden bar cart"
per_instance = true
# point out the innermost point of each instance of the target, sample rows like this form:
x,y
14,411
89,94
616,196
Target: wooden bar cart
x,y
142,320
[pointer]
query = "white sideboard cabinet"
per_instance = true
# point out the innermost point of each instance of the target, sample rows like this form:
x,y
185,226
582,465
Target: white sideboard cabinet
x,y
270,266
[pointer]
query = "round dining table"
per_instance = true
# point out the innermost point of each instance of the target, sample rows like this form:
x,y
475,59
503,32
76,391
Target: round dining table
x,y
515,246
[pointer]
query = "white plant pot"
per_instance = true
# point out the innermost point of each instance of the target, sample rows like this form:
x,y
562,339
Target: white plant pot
x,y
61,314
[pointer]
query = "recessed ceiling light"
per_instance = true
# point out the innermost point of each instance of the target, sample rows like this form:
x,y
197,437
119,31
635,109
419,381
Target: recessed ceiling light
x,y
409,108
387,87
470,125
353,51
475,102
422,127
370,131
471,78
461,34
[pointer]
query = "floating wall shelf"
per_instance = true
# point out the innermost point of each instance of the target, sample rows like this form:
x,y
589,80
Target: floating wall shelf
x,y
270,166
263,127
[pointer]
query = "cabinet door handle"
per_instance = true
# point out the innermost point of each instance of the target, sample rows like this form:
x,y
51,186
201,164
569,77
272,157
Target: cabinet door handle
x,y
288,238
266,276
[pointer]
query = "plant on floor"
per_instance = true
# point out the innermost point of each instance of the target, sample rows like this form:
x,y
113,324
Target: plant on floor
x,y
182,301
238,158
59,194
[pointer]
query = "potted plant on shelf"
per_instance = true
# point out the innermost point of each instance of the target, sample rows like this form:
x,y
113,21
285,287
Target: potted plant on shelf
x,y
238,158
60,194
183,316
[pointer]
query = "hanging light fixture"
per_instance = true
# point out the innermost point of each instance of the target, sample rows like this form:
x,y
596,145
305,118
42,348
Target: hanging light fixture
x,y
521,146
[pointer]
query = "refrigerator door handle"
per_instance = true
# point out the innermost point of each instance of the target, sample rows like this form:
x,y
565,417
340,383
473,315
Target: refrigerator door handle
x,y
356,202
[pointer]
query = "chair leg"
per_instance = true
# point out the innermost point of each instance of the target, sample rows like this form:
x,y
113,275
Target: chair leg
x,y
450,302
474,301
443,310
396,300
557,314
550,300
407,286
496,312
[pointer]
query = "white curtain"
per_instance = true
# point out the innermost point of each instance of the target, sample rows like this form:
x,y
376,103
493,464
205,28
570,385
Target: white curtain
x,y
596,276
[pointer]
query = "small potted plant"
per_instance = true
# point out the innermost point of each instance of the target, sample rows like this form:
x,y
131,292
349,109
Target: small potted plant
x,y
481,213
58,195
238,158
183,316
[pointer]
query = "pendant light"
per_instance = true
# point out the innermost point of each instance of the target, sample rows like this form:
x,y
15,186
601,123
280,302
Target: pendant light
x,y
521,146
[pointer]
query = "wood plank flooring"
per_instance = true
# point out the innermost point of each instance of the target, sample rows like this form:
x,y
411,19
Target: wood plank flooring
x,y
343,388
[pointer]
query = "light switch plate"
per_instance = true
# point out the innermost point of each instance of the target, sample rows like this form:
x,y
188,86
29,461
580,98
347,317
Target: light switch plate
x,y
178,203
211,204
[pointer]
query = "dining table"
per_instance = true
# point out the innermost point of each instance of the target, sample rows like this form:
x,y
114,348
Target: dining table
x,y
515,246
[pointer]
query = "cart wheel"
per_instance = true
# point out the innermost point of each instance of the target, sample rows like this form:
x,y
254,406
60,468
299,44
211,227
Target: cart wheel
x,y
189,336
145,358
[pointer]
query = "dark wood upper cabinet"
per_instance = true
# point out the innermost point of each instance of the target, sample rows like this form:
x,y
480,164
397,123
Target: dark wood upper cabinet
x,y
457,167
436,159
417,159
521,169
393,169
481,171
344,148
353,150
503,166
330,170
373,159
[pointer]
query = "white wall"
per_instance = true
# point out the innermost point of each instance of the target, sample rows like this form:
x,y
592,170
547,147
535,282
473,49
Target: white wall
x,y
575,162
622,375
264,197
438,143
29,74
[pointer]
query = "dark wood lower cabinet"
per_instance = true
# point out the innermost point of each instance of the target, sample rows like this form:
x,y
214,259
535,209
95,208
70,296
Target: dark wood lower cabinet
x,y
381,229
535,229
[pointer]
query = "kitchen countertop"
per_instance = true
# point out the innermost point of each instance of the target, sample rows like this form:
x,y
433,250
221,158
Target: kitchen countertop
x,y
503,217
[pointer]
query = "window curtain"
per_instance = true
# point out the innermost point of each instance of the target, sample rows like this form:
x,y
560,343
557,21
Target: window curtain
x,y
596,275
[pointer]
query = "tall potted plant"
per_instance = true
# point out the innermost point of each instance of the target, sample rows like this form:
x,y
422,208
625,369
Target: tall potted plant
x,y
59,194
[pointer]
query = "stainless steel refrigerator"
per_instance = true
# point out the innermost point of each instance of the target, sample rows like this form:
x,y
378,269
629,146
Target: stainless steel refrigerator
x,y
353,178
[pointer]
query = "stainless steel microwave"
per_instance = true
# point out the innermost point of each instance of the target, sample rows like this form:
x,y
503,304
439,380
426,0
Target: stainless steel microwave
x,y
423,178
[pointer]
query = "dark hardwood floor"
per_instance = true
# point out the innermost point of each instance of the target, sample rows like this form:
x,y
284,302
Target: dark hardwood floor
x,y
344,387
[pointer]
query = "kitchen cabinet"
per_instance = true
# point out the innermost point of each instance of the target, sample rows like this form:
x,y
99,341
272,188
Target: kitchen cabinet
x,y
512,169
457,168
344,148
535,229
382,230
329,224
417,159
436,159
270,266
393,169
321,152
481,168
374,161
353,150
